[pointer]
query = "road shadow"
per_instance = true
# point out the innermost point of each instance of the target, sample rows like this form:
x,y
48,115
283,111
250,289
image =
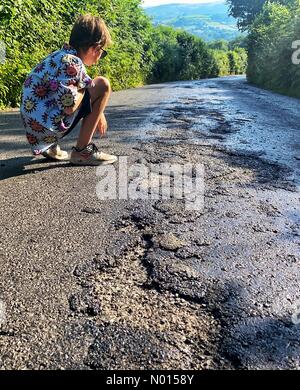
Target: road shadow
x,y
123,124
18,166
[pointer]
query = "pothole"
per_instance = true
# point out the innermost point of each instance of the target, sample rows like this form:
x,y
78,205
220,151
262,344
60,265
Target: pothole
x,y
186,333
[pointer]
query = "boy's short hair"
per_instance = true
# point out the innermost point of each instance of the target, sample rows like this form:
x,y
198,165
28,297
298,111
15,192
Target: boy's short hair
x,y
89,30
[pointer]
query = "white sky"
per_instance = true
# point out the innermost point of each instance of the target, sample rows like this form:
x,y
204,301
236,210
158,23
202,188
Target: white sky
x,y
152,3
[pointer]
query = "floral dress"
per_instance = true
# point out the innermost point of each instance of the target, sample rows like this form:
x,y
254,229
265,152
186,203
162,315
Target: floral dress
x,y
50,88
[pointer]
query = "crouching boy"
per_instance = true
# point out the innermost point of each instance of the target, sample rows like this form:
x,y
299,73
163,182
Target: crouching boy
x,y
58,93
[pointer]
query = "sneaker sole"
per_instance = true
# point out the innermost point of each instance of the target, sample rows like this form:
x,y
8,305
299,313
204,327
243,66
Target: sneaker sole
x,y
92,164
56,158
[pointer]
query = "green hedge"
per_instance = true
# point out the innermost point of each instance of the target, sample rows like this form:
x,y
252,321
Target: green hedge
x,y
270,48
231,62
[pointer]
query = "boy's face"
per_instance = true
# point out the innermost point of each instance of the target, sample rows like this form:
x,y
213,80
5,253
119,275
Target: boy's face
x,y
93,55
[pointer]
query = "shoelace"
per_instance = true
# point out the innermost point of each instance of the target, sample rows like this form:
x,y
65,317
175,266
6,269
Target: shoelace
x,y
92,148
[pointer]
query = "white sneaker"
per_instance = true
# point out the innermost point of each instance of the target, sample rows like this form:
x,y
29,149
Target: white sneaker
x,y
90,155
55,153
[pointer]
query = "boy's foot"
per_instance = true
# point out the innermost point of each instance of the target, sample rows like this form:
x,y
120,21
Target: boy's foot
x,y
55,153
90,155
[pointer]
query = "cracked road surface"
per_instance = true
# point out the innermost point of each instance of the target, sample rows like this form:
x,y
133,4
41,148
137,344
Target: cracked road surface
x,y
145,284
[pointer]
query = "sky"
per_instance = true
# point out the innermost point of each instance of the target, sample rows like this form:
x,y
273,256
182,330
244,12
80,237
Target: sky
x,y
152,3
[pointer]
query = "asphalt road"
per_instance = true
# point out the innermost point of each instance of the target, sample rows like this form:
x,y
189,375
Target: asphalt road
x,y
146,283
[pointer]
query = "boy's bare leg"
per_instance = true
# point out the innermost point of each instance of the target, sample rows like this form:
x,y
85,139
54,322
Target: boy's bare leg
x,y
99,97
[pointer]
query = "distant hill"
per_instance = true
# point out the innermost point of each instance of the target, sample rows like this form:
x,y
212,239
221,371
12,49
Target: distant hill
x,y
209,21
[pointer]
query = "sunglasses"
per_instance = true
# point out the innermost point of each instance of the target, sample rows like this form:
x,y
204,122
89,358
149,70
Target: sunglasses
x,y
103,54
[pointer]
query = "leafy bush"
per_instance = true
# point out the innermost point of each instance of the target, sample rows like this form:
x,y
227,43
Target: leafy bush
x,y
232,62
270,49
222,67
273,25
30,30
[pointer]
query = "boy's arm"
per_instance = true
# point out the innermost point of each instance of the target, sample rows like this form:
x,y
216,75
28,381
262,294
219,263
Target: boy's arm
x,y
73,81
71,110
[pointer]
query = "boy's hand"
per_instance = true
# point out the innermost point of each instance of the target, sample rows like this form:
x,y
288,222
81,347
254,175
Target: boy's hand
x,y
102,125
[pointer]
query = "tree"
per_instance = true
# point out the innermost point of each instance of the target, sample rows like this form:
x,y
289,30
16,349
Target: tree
x,y
270,49
245,11
219,45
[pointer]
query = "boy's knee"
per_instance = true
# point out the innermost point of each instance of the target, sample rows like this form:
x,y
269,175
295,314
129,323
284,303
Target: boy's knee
x,y
103,83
